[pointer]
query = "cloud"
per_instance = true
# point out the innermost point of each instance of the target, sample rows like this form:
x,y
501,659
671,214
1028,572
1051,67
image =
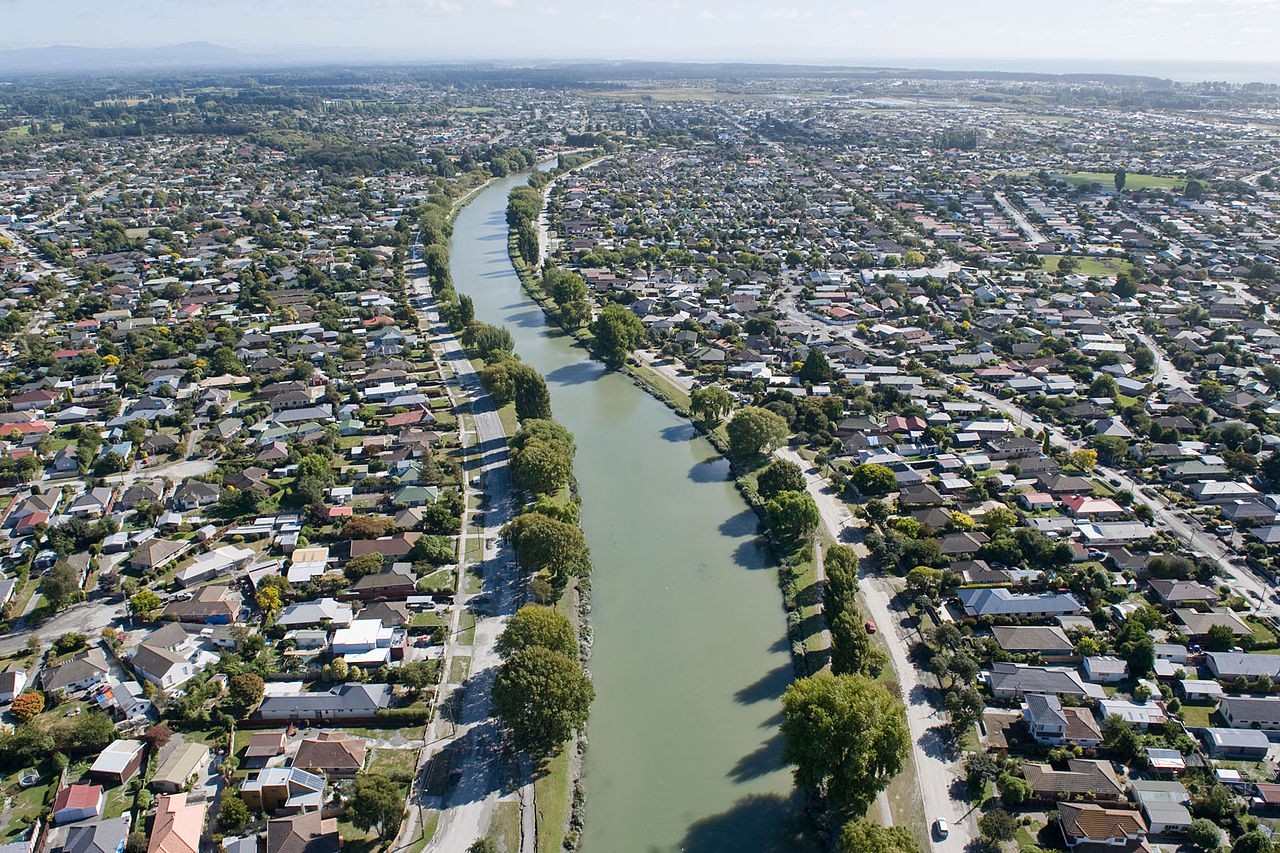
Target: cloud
x,y
502,4
549,11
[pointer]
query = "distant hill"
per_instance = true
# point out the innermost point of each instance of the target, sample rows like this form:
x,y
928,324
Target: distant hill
x,y
196,54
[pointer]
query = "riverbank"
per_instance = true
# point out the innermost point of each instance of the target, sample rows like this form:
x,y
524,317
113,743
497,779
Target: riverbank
x,y
799,571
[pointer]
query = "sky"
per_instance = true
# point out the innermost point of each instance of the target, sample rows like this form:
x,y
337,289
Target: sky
x,y
1109,32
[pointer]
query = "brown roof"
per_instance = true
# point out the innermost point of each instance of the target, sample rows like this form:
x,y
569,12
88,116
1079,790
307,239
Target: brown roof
x,y
303,833
331,751
1082,776
265,744
1086,821
1081,725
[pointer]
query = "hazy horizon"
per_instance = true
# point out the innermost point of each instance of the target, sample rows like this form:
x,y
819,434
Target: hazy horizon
x,y
1093,35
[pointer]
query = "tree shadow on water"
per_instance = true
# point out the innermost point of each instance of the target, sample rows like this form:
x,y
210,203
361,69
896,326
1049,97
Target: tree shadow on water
x,y
711,471
760,823
678,433
769,687
574,374
761,762
743,523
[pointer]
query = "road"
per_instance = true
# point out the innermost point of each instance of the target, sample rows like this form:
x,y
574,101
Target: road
x,y
88,618
1034,237
467,808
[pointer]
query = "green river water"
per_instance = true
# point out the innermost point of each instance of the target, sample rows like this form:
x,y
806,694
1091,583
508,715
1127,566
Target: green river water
x,y
690,654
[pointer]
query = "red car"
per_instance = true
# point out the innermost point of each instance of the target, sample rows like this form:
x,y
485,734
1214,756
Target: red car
x,y
871,627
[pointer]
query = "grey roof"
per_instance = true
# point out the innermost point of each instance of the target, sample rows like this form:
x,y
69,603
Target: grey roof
x,y
1251,708
75,670
1236,738
1240,663
100,836
346,700
988,601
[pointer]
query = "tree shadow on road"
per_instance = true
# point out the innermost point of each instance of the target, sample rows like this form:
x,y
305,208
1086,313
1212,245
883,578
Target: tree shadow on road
x,y
937,743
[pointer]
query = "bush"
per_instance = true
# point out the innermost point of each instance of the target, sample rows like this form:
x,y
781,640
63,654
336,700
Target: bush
x,y
415,715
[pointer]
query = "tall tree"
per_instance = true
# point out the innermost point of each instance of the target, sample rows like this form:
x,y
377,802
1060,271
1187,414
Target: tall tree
x,y
617,332
374,802
531,395
534,625
863,836
542,696
754,430
846,736
709,404
1120,177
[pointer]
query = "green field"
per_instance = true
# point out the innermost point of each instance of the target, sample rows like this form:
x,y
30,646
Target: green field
x,y
1089,266
1132,181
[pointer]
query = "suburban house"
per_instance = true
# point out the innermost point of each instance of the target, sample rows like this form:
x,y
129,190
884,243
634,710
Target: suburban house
x,y
1173,593
119,761
1015,680
99,836
998,601
1051,723
1085,825
1082,778
1242,744
335,754
80,673
1049,641
283,788
307,832
1227,666
344,702
12,682
1249,712
178,825
264,746
183,763
214,605
1163,804
78,802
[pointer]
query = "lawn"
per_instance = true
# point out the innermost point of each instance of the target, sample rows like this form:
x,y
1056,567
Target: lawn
x,y
1197,716
466,627
1132,181
118,802
551,796
507,414
1263,636
395,763
504,831
1089,265
459,667
27,802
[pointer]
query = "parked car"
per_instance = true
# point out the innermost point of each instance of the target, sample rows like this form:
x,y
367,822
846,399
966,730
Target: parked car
x,y
940,828
871,627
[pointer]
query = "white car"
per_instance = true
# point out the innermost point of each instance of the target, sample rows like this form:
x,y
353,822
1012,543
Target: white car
x,y
940,827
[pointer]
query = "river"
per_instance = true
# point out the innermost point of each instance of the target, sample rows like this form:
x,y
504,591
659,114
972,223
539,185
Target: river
x,y
690,654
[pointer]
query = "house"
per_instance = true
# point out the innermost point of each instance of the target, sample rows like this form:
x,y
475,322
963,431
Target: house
x,y
177,826
1103,534
1163,804
1105,669
1197,624
998,602
344,702
307,832
157,553
1082,778
390,547
100,836
1227,666
1172,593
184,762
194,494
1050,642
1084,506
264,746
123,700
1215,492
305,614
1250,712
78,802
12,682
1015,680
81,672
214,605
366,642
163,667
214,563
1051,723
92,504
119,761
1140,715
283,788
1240,744
1057,484
335,754
1090,826
919,495
1200,690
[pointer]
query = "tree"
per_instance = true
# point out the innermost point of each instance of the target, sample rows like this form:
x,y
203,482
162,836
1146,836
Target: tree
x,y
532,398
997,825
497,381
542,696
268,599
617,332
754,430
863,836
233,814
374,802
1135,645
816,369
1119,179
92,732
144,604
483,845
1085,460
1220,638
157,735
544,544
543,467
791,516
780,475
27,705
1204,834
1254,841
710,404
363,564
1120,738
846,736
245,690
852,651
1014,791
999,518
61,586
365,527
872,479
533,625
